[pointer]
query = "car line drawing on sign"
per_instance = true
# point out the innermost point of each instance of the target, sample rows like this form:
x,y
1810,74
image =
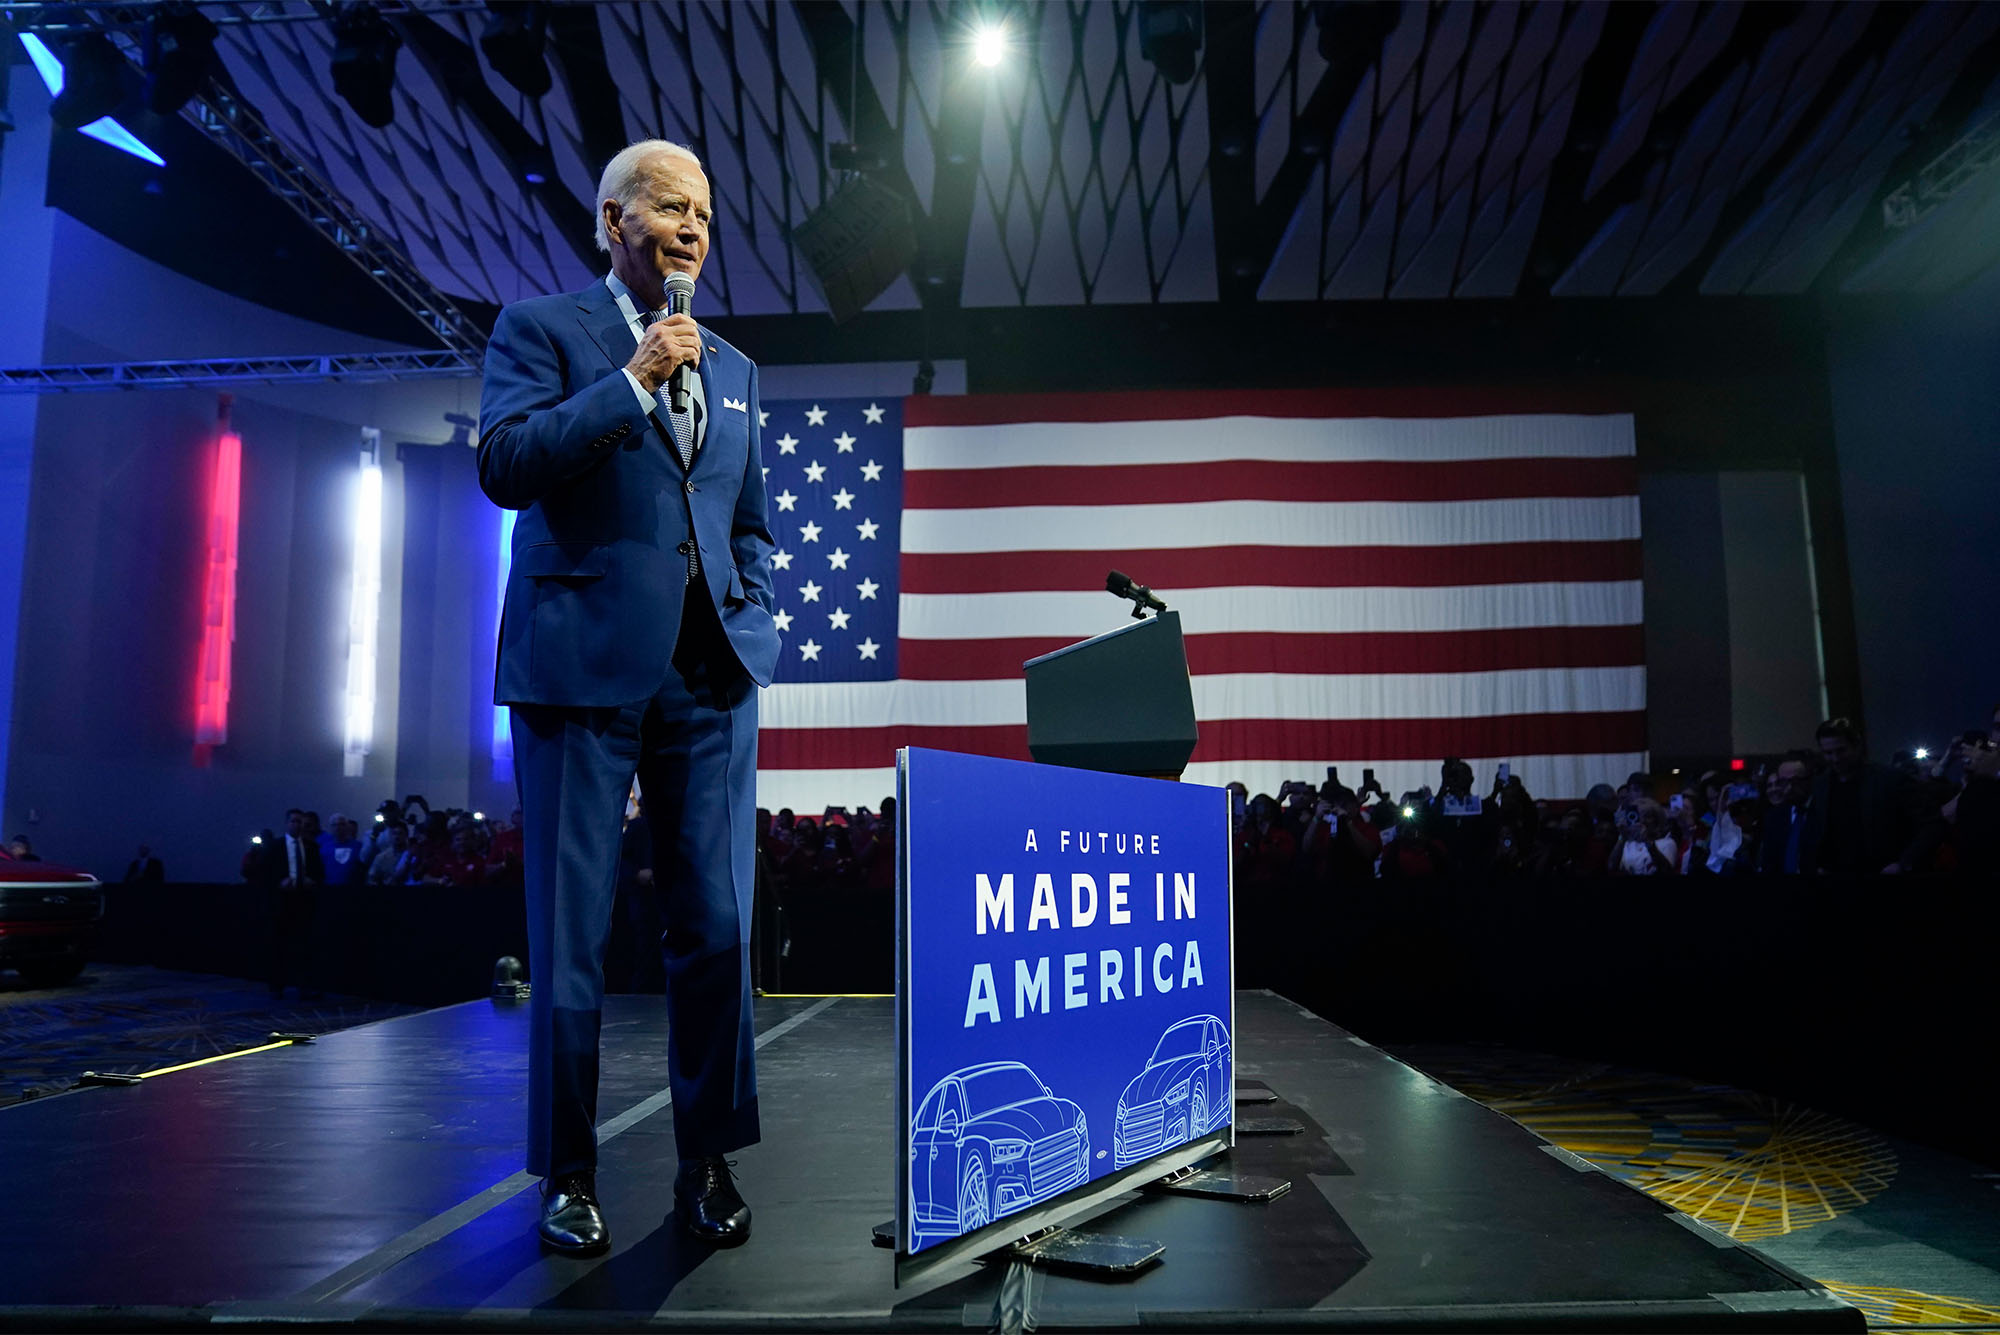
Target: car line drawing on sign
x,y
1186,1090
988,1140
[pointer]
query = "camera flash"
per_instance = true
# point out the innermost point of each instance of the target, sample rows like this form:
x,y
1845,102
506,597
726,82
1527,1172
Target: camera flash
x,y
1923,753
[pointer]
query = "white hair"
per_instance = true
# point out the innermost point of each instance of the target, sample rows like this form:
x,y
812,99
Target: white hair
x,y
625,174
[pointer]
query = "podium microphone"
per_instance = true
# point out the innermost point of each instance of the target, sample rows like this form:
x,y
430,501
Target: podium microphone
x,y
680,301
1142,597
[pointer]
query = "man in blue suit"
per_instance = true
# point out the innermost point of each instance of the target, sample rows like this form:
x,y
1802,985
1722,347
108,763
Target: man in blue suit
x,y
636,631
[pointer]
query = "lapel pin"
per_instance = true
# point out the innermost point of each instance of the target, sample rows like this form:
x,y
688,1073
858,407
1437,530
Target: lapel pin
x,y
711,347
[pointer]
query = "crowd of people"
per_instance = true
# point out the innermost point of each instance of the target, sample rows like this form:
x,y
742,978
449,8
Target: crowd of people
x,y
839,849
1826,810
406,843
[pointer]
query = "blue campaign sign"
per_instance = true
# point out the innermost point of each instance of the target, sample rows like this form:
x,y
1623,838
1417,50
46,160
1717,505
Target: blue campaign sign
x,y
1066,982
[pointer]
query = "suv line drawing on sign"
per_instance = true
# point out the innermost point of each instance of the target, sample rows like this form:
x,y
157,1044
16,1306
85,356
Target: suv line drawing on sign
x,y
988,1140
1186,1090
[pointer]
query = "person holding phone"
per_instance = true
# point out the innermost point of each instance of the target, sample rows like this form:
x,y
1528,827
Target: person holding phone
x,y
1341,844
1645,848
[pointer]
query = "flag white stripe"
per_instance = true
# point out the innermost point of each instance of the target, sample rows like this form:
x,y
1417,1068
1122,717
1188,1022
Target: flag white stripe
x,y
1236,611
1342,440
1095,528
1228,695
811,791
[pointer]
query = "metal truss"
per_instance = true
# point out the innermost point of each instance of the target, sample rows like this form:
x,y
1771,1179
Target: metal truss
x,y
231,123
1943,176
351,367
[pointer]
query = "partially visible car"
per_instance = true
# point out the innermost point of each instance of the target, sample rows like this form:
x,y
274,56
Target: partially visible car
x,y
48,919
988,1140
1186,1090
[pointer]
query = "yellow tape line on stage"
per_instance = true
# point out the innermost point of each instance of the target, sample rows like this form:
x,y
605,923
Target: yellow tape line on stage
x,y
219,1057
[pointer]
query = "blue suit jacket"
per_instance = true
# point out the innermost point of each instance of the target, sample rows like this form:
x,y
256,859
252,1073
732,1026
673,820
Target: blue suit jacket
x,y
593,602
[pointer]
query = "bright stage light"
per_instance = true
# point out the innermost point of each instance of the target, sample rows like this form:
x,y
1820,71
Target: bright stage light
x,y
46,63
503,732
218,592
364,606
1923,753
108,131
989,44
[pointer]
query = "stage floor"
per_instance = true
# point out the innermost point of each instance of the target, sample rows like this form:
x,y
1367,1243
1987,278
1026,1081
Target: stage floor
x,y
372,1177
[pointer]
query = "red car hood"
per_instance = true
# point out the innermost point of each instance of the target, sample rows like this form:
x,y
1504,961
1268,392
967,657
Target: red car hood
x,y
14,872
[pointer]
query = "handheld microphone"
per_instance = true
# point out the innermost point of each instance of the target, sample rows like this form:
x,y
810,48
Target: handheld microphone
x,y
680,301
1121,584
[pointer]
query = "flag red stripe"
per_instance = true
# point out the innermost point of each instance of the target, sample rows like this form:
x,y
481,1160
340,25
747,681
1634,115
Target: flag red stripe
x,y
1303,740
1296,480
1379,651
1282,567
1178,405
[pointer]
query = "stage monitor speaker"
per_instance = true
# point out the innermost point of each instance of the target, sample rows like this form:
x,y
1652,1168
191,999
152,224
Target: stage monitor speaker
x,y
1120,702
856,243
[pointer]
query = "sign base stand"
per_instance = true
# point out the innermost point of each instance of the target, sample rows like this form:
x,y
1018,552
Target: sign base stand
x,y
1105,1255
1221,1184
1098,1255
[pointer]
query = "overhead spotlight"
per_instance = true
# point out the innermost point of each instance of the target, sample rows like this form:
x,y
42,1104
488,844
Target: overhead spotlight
x,y
989,44
1170,34
180,49
513,42
364,62
93,81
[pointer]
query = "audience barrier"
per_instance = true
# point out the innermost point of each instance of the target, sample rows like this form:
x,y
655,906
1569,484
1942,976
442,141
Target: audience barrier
x,y
1866,999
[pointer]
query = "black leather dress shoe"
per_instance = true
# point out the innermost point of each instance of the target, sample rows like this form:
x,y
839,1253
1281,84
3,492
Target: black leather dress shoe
x,y
571,1221
710,1210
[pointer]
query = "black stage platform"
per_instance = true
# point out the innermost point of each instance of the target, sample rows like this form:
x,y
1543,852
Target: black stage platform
x,y
370,1180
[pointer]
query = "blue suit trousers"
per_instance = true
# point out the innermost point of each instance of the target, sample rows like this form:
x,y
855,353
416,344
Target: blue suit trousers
x,y
693,747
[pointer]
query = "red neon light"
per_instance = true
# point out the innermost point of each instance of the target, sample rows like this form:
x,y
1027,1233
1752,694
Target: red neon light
x,y
218,598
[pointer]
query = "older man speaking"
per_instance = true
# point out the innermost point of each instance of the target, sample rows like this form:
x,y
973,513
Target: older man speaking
x,y
636,631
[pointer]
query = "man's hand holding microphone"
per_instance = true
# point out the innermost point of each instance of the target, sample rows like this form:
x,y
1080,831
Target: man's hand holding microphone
x,y
666,344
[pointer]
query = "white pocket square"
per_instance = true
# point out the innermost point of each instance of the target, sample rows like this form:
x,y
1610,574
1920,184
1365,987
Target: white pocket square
x,y
737,404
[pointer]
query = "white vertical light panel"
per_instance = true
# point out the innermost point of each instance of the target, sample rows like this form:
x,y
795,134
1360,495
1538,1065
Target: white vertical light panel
x,y
364,606
503,734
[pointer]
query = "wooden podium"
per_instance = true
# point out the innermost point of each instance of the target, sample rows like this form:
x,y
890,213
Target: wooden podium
x,y
1120,702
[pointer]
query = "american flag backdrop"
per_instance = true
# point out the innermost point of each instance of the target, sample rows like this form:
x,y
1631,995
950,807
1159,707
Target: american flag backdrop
x,y
1365,580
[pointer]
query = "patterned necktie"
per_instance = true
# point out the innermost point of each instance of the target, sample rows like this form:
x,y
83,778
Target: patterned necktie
x,y
682,425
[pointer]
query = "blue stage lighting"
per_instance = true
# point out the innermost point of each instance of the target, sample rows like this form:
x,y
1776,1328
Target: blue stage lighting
x,y
104,129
